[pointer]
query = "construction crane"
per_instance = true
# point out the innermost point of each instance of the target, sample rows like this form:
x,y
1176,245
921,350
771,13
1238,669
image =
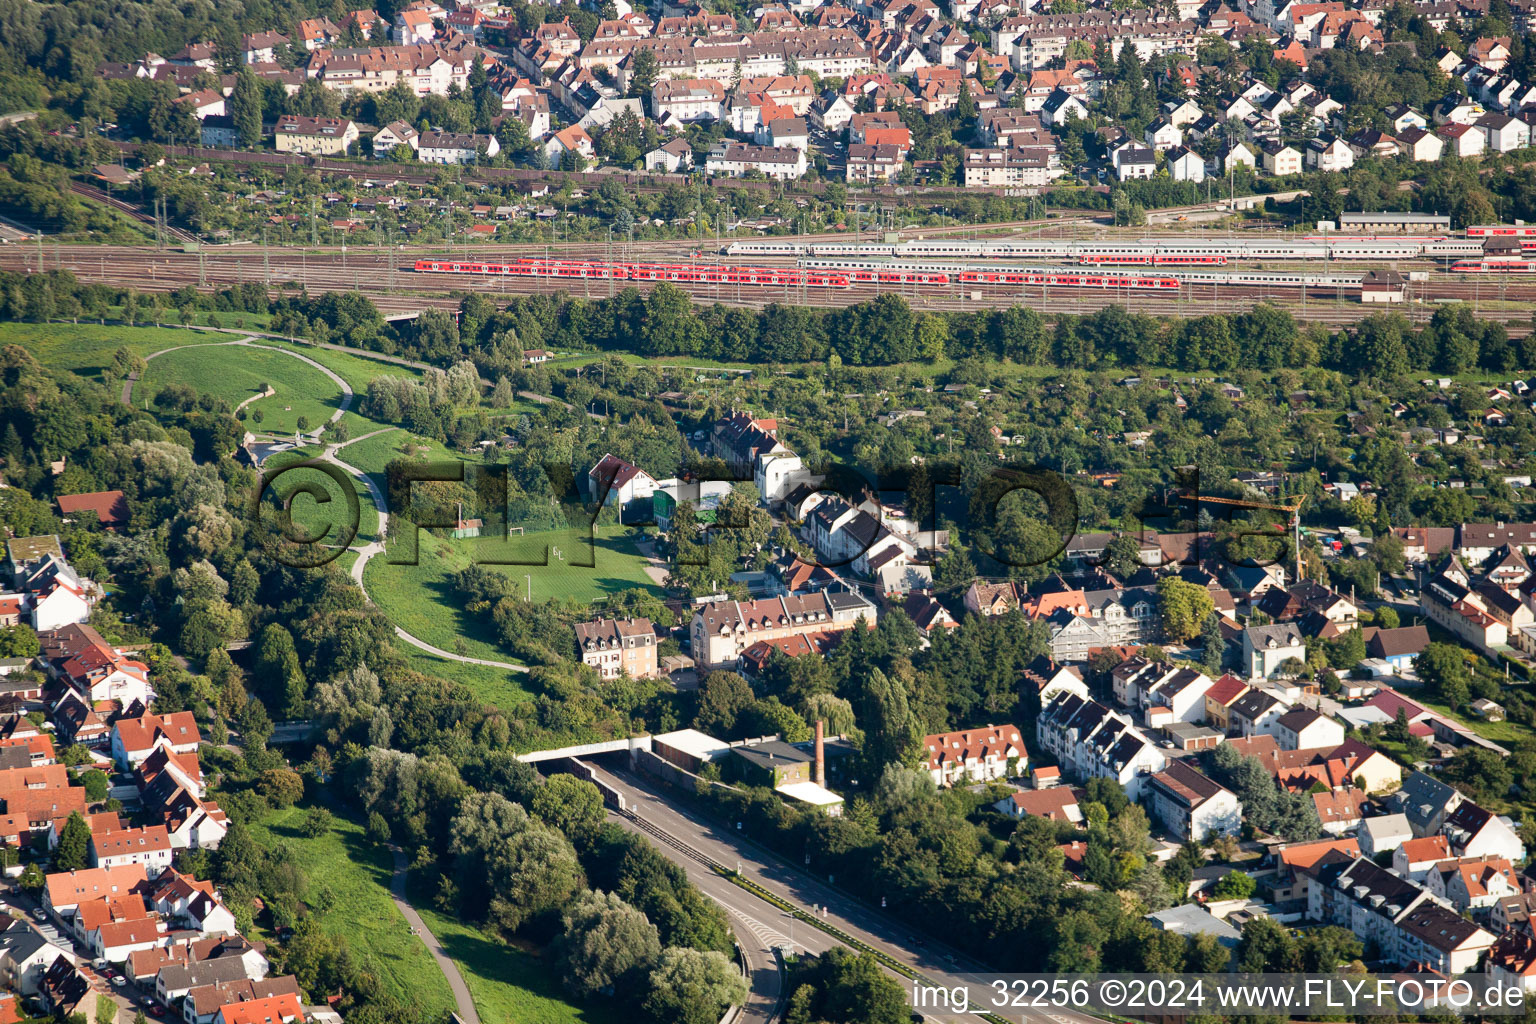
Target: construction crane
x,y
1291,507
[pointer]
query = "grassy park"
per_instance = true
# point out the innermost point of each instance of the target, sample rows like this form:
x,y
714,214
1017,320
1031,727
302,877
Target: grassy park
x,y
234,373
420,598
87,349
509,984
310,516
347,887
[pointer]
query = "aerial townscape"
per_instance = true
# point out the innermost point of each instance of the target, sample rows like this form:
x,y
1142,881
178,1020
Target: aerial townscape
x,y
586,512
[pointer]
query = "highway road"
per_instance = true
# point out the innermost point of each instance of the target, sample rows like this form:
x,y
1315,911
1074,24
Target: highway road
x,y
663,819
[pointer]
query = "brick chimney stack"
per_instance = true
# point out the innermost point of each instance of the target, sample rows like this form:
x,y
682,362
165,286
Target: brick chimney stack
x,y
819,770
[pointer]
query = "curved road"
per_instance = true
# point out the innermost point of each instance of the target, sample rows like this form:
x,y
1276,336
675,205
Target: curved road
x,y
461,996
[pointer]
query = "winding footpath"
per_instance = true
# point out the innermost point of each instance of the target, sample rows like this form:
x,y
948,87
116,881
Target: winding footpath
x,y
461,996
367,551
249,340
465,1004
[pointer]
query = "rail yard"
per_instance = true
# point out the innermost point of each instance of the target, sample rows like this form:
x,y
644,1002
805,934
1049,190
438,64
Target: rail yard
x,y
1317,277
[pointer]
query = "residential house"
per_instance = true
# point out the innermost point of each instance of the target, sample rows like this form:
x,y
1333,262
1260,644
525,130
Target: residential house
x,y
1256,713
1279,159
396,133
1133,161
674,156
1301,728
574,141
1415,858
1463,140
317,136
616,647
76,656
985,754
25,956
687,100
455,147
1089,740
612,481
1421,145
1426,802
1265,648
1055,803
1329,153
722,630
1223,693
134,739
1441,940
735,159
1474,832
1191,805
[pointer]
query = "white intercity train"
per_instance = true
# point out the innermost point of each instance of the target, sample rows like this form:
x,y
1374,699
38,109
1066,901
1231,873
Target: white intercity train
x,y
1145,252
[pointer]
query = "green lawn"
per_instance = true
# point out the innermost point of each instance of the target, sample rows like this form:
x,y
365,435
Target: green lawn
x,y
87,349
373,454
1499,732
353,875
492,685
509,985
311,517
421,599
235,372
355,370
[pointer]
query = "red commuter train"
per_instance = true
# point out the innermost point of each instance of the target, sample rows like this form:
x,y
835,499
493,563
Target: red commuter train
x,y
813,273
701,273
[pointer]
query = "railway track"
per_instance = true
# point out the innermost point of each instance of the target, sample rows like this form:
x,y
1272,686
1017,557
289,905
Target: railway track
x,y
92,192
380,276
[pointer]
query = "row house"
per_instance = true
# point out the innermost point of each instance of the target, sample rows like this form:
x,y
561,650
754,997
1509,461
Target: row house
x,y
721,630
1033,41
734,159
1161,692
688,99
455,148
1030,167
1088,741
322,136
1473,884
78,657
869,165
846,534
797,92
428,69
1449,601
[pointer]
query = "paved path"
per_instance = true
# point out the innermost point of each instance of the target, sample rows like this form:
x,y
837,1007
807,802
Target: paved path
x,y
450,971
367,551
249,340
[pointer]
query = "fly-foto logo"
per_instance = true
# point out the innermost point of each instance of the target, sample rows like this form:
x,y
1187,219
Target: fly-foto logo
x,y
845,514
